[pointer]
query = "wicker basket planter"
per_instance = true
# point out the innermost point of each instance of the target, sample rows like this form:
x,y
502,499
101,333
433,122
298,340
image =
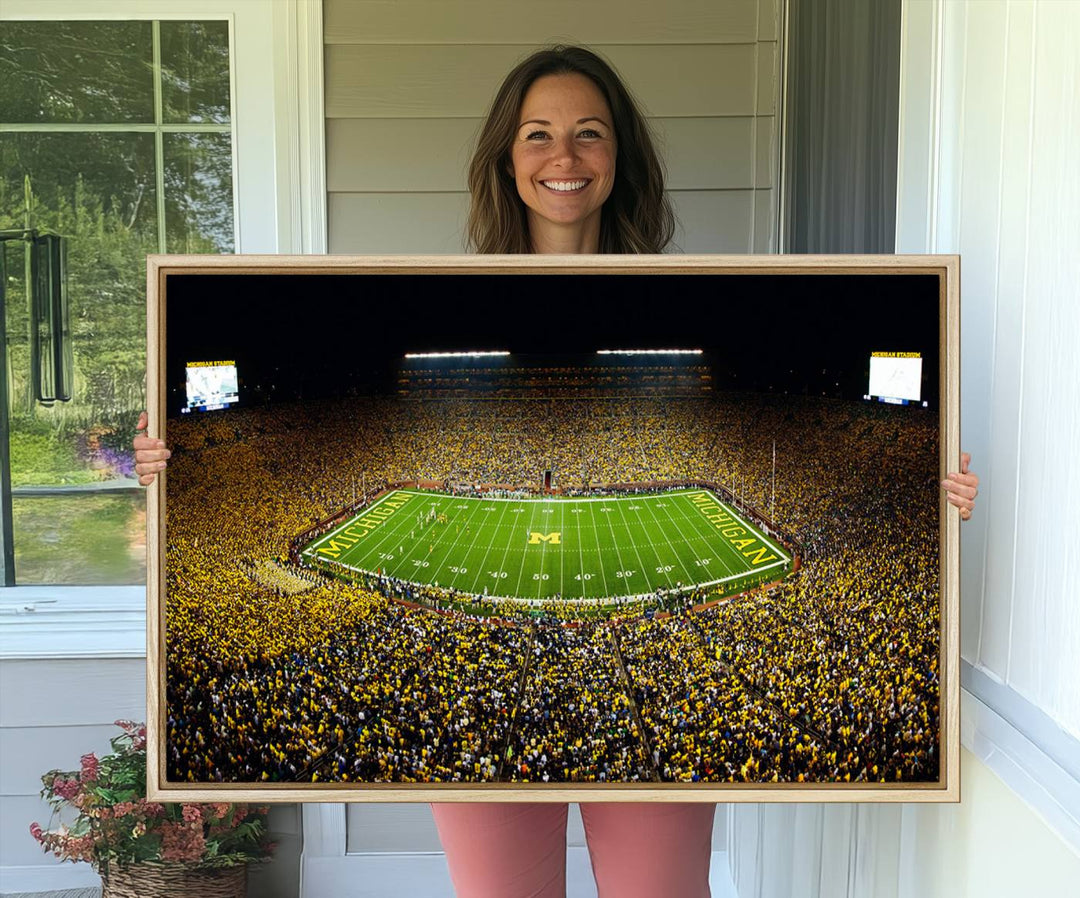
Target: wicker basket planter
x,y
148,880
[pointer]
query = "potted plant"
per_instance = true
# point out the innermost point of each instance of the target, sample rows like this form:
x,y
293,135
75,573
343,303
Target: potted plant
x,y
142,847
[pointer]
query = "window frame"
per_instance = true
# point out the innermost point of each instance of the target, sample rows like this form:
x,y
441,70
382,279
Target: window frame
x,y
276,97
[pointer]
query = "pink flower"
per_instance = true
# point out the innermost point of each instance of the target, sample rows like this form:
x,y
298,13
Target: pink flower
x,y
89,767
79,848
192,814
36,831
123,808
65,788
181,842
218,809
150,808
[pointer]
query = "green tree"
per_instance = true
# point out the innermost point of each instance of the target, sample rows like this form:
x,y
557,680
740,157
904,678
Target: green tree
x,y
99,190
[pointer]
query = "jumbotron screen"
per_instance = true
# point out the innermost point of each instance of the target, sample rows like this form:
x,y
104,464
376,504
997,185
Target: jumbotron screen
x,y
211,385
895,377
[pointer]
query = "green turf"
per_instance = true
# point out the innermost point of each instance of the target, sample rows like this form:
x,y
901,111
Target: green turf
x,y
539,548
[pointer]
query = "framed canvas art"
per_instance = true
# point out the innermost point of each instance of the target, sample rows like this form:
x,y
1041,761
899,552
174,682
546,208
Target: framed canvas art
x,y
554,528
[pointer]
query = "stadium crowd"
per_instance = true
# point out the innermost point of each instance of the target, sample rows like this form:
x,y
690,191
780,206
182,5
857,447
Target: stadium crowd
x,y
280,674
575,721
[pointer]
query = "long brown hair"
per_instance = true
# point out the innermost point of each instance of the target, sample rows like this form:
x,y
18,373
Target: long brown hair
x,y
637,216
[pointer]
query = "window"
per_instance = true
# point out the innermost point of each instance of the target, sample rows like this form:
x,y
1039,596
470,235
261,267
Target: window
x,y
116,135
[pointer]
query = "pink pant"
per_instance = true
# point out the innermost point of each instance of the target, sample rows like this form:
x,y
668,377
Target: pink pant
x,y
518,850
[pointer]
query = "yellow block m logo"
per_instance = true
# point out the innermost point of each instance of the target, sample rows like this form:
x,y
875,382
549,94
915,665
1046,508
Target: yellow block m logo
x,y
536,538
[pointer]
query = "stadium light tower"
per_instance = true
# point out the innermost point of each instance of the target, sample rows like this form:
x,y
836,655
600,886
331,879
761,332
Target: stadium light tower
x,y
650,351
471,354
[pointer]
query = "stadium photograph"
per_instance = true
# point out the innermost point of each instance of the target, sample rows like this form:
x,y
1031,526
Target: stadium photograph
x,y
498,529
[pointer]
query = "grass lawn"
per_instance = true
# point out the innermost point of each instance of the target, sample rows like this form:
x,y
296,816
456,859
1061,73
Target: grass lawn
x,y
81,539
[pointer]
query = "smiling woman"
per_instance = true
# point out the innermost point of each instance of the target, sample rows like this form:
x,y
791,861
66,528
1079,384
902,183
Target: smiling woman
x,y
565,163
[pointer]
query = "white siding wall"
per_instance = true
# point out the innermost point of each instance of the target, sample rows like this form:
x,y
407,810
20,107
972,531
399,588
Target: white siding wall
x,y
991,845
988,168
55,709
1008,200
51,713
408,83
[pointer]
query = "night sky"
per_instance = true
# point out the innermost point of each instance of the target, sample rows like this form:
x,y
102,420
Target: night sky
x,y
332,334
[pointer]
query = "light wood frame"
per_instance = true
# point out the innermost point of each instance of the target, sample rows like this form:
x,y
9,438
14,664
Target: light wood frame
x,y
946,268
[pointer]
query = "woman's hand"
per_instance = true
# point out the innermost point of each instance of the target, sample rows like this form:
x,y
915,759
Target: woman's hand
x,y
150,454
962,487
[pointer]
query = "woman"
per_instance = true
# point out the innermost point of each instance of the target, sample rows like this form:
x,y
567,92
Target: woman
x,y
565,164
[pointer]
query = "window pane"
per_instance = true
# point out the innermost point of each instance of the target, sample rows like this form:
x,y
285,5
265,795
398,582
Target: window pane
x,y
76,72
195,71
198,193
81,539
98,191
85,184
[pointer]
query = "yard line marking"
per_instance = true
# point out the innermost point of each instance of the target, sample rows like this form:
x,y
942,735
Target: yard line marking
x,y
533,525
445,501
464,561
767,567
439,500
618,554
573,500
478,505
391,536
600,559
652,511
506,551
447,551
641,561
715,546
581,559
543,552
752,528
729,551
679,556
562,552
483,563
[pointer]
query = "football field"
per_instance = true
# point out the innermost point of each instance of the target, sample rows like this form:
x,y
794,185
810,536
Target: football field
x,y
537,548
